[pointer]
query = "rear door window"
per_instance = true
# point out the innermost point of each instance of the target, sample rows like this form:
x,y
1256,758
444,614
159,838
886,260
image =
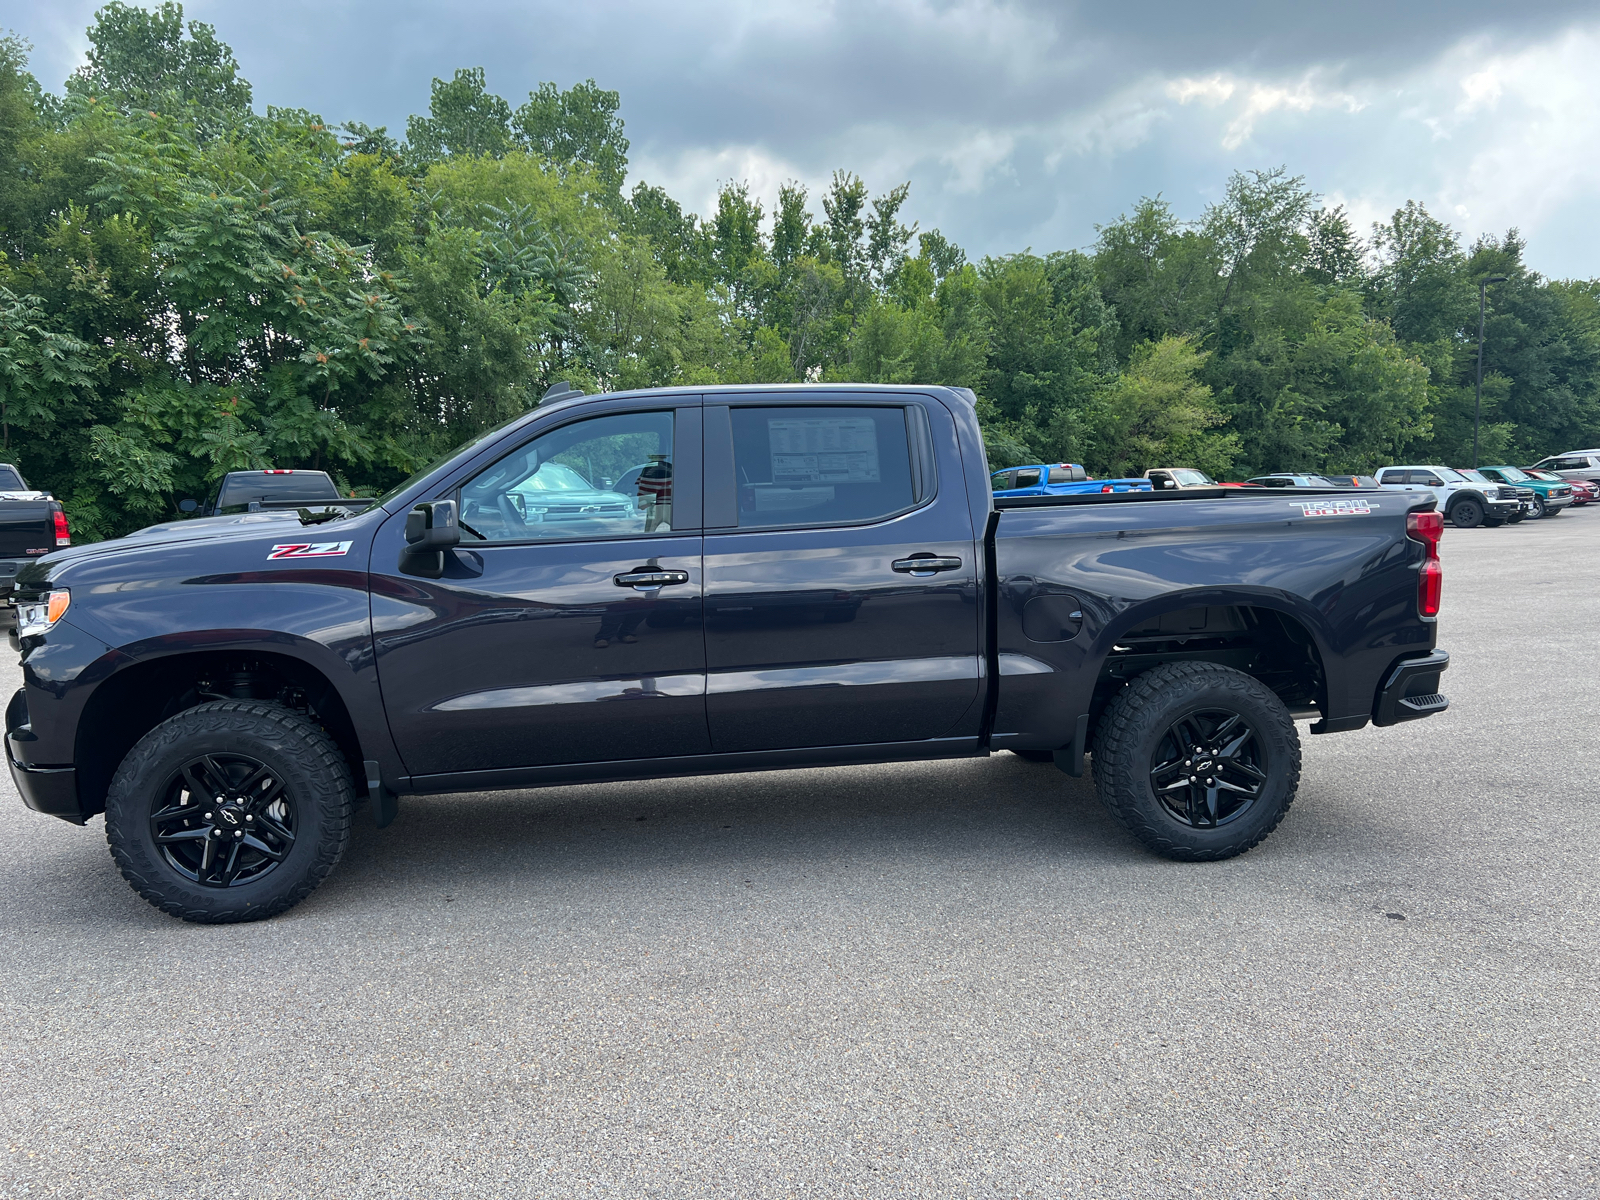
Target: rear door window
x,y
1028,478
823,465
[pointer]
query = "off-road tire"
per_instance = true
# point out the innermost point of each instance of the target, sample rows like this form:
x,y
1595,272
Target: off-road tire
x,y
316,781
1466,514
1132,728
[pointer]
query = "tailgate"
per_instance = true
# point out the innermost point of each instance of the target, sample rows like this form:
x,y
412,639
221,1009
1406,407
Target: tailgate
x,y
27,528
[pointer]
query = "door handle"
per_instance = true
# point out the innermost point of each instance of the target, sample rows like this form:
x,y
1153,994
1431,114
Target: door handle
x,y
649,581
924,565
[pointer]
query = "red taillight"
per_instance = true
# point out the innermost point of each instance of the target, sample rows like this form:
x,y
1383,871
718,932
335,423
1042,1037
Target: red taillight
x,y
63,534
1105,488
1428,528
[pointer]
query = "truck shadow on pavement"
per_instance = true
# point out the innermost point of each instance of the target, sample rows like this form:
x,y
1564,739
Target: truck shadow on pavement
x,y
1003,810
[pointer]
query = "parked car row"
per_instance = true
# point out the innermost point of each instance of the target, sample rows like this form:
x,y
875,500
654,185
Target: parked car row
x,y
1467,497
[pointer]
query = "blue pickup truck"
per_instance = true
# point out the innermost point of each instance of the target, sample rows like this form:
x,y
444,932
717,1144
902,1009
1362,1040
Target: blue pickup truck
x,y
1058,479
775,577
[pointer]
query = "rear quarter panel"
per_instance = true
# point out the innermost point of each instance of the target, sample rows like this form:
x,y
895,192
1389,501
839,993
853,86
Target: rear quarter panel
x,y
1350,580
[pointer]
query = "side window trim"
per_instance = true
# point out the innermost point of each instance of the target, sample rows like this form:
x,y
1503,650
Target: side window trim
x,y
721,495
722,490
924,467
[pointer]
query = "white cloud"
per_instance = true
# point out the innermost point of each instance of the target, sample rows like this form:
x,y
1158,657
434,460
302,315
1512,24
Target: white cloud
x,y
1258,99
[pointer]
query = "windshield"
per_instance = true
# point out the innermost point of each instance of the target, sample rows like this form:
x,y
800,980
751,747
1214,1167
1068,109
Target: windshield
x,y
1511,473
553,477
423,472
1547,475
1473,476
1451,476
1192,478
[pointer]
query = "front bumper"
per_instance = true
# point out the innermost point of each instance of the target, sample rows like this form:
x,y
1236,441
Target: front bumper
x,y
1411,690
8,576
49,790
1500,509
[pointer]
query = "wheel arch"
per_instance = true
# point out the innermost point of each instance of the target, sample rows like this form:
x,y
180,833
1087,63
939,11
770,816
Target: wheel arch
x,y
1269,636
134,699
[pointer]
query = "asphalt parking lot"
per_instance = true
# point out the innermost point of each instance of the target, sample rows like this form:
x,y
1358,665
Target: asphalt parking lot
x,y
931,979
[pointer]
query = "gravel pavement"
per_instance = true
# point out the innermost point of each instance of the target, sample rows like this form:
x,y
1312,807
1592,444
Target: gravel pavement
x,y
939,980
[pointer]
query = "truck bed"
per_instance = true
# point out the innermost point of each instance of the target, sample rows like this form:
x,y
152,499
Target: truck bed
x,y
1091,590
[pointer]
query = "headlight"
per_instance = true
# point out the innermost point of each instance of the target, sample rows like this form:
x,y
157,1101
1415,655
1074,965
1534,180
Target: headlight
x,y
38,616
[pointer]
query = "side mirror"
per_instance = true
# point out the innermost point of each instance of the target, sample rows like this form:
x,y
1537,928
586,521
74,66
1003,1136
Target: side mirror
x,y
188,506
431,529
433,526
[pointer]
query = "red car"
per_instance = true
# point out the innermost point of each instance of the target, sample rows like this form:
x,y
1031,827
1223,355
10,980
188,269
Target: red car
x,y
1582,490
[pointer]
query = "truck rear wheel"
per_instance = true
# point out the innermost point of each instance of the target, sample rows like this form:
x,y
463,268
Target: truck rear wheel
x,y
1200,761
229,811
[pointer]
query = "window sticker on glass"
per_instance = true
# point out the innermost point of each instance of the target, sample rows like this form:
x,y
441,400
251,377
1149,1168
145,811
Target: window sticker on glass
x,y
824,450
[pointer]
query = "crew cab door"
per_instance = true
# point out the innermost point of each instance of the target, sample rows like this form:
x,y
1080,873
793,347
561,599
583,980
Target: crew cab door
x,y
566,628
821,628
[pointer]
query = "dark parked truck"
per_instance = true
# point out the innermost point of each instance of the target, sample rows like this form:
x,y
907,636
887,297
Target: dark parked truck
x,y
32,524
273,488
673,583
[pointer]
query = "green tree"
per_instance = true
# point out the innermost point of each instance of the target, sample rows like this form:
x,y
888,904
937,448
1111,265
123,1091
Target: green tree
x,y
464,117
577,126
140,57
1157,413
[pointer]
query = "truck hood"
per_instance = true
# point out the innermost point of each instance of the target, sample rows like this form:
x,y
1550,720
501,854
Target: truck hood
x,y
238,527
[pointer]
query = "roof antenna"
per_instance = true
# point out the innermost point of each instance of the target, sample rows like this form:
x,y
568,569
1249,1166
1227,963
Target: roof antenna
x,y
560,391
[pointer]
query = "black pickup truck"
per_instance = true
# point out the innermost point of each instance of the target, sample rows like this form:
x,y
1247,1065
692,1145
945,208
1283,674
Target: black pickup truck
x,y
32,524
273,488
682,582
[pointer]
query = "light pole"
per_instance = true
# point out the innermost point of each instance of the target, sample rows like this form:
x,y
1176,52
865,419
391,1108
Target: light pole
x,y
1477,408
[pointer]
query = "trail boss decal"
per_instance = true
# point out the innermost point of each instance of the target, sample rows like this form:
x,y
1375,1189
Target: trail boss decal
x,y
310,549
1333,508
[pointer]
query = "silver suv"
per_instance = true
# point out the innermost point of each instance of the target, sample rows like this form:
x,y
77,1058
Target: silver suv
x,y
1466,503
1575,464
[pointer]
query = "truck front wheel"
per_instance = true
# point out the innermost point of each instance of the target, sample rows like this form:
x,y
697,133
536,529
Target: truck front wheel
x,y
229,811
1200,761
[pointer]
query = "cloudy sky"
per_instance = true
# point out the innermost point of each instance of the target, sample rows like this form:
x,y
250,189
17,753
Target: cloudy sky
x,y
1018,124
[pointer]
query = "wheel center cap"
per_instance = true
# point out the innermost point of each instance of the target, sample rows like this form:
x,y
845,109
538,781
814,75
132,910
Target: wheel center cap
x,y
229,814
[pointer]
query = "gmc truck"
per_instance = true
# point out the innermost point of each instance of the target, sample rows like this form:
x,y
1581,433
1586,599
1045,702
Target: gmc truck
x,y
32,524
682,582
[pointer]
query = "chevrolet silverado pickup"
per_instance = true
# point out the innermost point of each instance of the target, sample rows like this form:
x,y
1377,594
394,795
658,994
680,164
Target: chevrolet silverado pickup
x,y
680,582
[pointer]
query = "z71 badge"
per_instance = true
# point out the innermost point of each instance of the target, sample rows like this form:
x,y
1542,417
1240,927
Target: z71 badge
x,y
310,549
1333,508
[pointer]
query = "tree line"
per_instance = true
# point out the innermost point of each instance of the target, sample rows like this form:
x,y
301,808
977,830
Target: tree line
x,y
189,287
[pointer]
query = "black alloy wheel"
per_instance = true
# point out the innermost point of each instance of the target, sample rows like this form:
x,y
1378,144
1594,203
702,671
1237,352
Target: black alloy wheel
x,y
230,811
1198,760
1467,514
224,820
1211,768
